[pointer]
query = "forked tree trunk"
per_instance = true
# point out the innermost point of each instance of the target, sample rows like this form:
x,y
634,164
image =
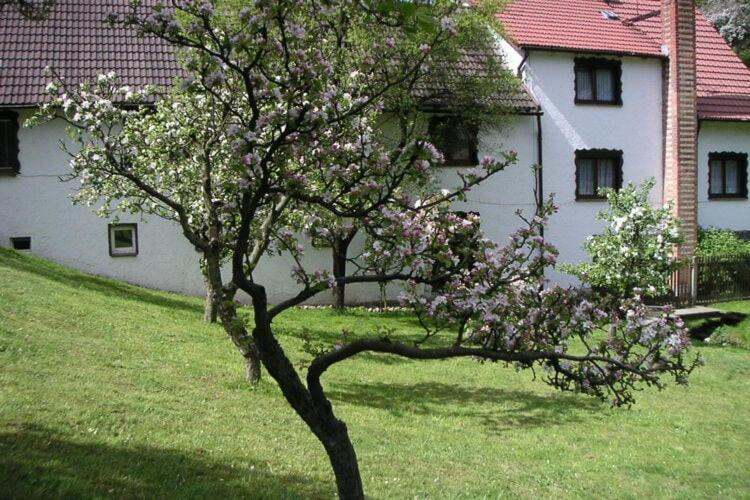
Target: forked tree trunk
x,y
316,411
224,308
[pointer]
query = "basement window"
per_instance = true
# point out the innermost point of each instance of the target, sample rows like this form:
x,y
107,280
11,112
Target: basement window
x,y
598,81
21,243
456,139
727,175
123,240
9,164
597,169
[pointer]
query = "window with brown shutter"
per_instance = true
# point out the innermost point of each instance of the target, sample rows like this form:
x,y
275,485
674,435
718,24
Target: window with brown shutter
x,y
597,169
9,164
727,175
456,139
598,81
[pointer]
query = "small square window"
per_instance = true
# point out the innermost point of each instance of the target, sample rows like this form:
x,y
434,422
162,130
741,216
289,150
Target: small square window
x,y
727,175
456,139
598,81
123,240
21,243
597,169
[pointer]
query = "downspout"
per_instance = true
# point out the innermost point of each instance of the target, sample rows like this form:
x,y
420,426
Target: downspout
x,y
539,171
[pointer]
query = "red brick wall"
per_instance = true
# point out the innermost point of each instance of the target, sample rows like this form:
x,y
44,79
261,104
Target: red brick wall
x,y
681,124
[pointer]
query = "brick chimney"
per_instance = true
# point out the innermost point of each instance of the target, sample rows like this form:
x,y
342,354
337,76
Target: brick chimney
x,y
681,123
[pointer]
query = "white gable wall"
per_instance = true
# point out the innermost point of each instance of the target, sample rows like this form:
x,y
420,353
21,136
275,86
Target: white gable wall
x,y
635,128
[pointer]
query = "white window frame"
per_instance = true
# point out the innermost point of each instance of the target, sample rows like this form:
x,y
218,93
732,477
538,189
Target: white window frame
x,y
130,251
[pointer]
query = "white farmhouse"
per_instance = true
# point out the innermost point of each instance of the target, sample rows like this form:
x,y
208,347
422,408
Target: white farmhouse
x,y
618,91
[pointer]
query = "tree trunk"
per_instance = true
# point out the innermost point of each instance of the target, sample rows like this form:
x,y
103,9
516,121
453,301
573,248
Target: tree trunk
x,y
340,249
315,411
210,312
210,308
252,366
344,463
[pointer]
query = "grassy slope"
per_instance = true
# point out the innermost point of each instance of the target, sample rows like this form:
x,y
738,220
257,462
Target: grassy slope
x,y
108,389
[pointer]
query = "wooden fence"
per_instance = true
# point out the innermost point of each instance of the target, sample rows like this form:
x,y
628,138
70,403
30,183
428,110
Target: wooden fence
x,y
711,279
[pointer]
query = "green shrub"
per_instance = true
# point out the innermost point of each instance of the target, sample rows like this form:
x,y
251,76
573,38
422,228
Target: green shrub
x,y
715,242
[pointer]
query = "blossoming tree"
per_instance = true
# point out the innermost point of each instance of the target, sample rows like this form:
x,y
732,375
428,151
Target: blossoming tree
x,y
635,253
296,93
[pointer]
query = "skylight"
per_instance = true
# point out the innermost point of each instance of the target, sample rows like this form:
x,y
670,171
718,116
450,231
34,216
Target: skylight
x,y
610,14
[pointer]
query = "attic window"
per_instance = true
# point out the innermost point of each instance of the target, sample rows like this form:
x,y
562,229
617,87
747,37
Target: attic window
x,y
456,139
9,164
610,15
598,81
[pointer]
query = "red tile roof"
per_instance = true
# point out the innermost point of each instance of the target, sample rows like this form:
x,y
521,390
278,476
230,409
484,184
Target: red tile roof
x,y
76,40
579,25
576,25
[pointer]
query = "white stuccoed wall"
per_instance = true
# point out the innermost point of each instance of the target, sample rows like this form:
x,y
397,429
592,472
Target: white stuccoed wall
x,y
717,137
35,203
38,205
497,199
635,128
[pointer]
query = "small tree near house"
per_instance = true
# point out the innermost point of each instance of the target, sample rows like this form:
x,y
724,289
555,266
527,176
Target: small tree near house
x,y
304,86
635,252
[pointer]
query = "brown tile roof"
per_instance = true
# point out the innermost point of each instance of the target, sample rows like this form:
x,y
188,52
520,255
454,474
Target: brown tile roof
x,y
440,91
78,42
723,84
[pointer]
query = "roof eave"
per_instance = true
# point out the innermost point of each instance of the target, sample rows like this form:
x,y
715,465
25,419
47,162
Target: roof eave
x,y
552,48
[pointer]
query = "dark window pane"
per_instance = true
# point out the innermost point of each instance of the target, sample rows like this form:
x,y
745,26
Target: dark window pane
x,y
605,85
732,176
607,173
717,177
455,139
586,177
123,238
22,243
584,84
6,136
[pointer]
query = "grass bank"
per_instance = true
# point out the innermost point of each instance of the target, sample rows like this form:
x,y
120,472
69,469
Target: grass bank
x,y
107,389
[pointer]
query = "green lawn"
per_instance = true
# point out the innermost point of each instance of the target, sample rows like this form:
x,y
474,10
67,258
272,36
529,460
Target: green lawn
x,y
112,390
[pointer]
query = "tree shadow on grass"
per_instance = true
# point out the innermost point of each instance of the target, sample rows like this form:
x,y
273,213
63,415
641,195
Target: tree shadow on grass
x,y
104,286
38,463
498,409
707,327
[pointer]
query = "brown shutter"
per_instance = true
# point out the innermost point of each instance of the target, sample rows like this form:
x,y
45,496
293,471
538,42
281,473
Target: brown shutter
x,y
9,163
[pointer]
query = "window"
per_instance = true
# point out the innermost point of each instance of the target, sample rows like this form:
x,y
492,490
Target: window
x,y
727,175
9,164
596,169
598,81
123,240
21,243
456,139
